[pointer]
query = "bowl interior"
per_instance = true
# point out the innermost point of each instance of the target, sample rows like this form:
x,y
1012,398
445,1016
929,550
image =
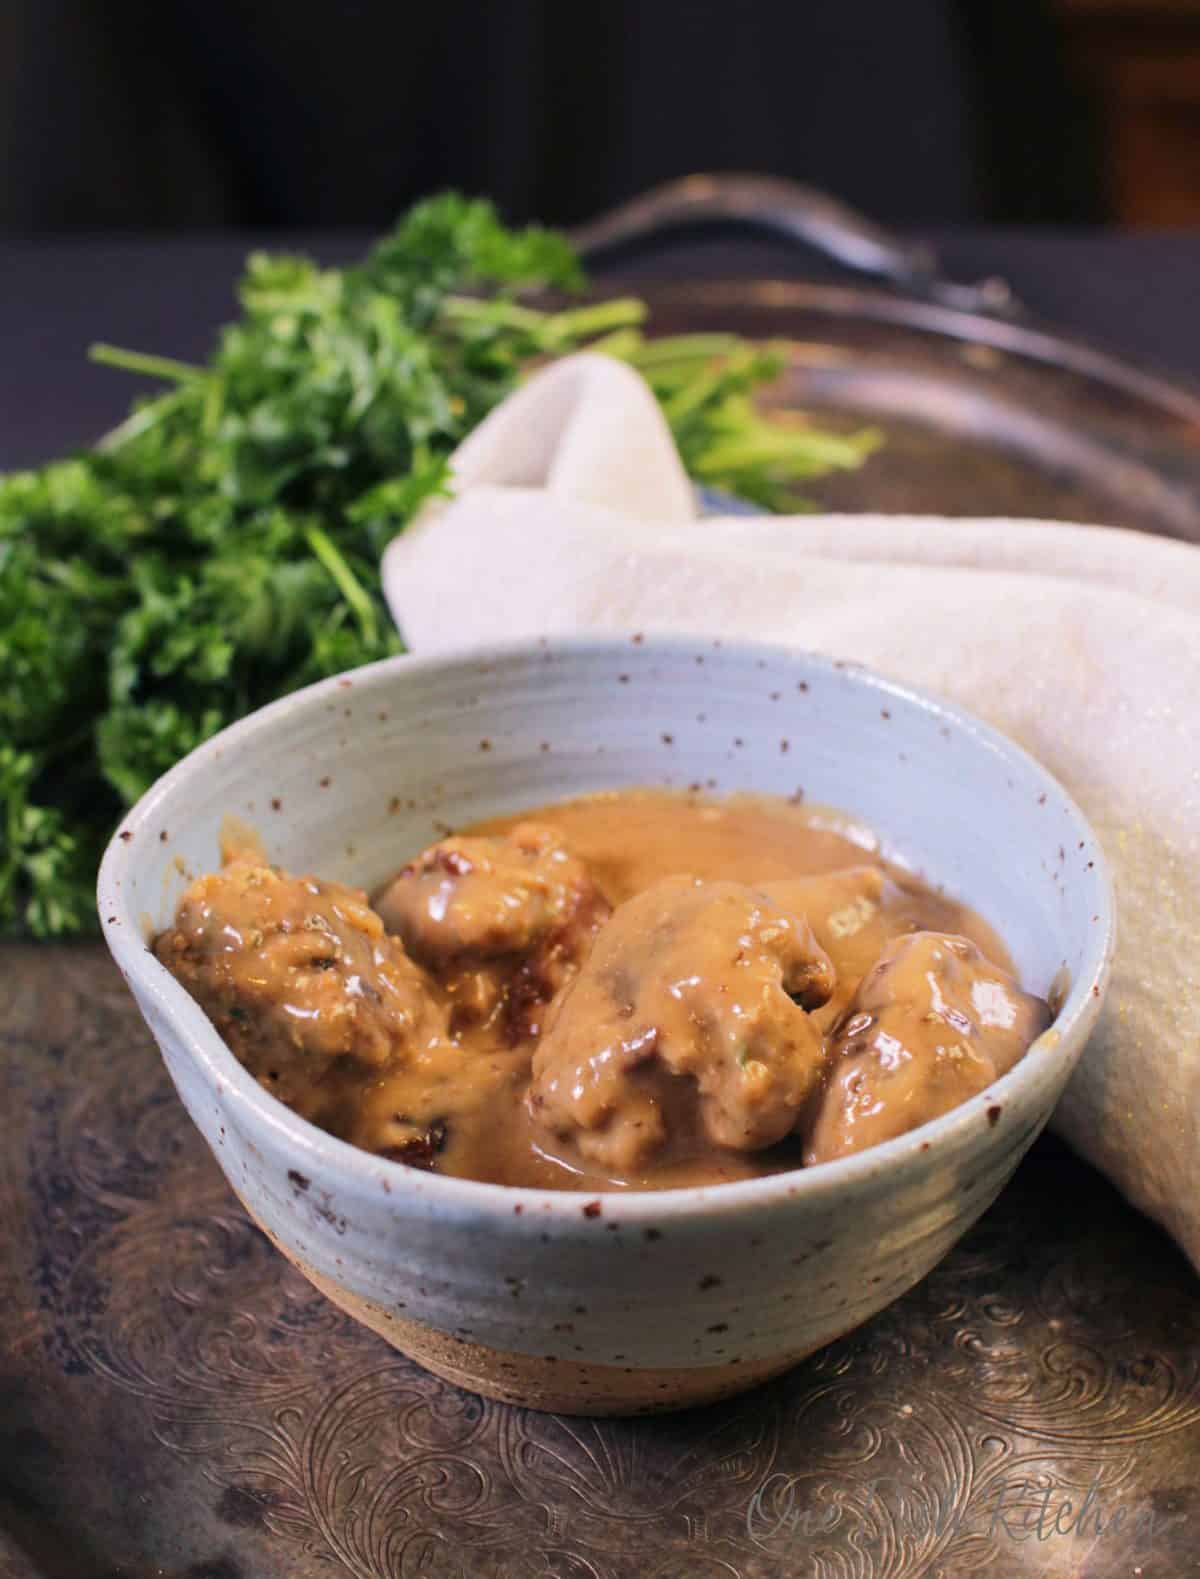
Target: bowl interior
x,y
351,777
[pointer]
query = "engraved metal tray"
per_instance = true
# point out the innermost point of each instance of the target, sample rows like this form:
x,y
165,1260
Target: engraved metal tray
x,y
986,410
176,1401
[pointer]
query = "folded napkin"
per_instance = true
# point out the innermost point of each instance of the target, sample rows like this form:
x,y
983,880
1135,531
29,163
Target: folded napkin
x,y
572,513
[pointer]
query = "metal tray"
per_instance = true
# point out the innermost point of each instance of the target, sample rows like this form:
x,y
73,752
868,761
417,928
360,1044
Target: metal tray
x,y
985,410
178,1402
972,426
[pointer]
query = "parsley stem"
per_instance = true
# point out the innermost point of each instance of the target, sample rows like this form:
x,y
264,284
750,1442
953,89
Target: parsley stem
x,y
624,344
505,315
576,323
345,580
685,348
140,420
214,399
680,405
792,454
551,329
144,362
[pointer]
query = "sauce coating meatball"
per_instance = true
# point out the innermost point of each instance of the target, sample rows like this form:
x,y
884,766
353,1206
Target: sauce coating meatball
x,y
932,1023
500,922
301,980
793,999
854,914
686,1025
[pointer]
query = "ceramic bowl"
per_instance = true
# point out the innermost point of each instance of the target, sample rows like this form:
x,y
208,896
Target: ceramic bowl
x,y
630,1301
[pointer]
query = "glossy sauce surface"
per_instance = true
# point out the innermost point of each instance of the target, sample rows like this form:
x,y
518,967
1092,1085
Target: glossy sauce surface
x,y
636,989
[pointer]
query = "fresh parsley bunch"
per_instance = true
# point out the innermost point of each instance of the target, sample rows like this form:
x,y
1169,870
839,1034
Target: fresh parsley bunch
x,y
221,546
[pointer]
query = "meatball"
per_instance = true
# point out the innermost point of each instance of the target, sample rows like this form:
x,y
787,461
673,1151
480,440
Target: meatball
x,y
852,915
932,1023
686,1026
502,922
301,980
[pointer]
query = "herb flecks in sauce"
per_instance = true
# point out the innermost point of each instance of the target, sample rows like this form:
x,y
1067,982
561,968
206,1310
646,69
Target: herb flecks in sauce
x,y
635,989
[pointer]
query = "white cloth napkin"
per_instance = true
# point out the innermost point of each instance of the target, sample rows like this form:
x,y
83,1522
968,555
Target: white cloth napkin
x,y
572,513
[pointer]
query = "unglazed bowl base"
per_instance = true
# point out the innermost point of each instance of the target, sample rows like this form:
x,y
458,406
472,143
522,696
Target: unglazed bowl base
x,y
552,1384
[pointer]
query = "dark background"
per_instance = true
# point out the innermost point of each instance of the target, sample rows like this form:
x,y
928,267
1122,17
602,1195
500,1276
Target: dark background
x,y
148,114
144,148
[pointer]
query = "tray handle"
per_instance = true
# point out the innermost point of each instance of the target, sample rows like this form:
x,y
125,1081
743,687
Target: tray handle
x,y
797,213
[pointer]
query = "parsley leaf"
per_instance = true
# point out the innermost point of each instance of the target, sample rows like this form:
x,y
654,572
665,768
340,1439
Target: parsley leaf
x,y
221,546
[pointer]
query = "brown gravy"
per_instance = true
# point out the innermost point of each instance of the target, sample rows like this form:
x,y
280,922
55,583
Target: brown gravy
x,y
637,989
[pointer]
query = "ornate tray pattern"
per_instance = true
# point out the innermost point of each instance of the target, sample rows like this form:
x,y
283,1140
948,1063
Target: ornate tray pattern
x,y
178,1401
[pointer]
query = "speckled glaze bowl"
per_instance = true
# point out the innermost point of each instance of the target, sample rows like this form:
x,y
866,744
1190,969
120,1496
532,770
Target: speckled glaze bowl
x,y
626,1302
